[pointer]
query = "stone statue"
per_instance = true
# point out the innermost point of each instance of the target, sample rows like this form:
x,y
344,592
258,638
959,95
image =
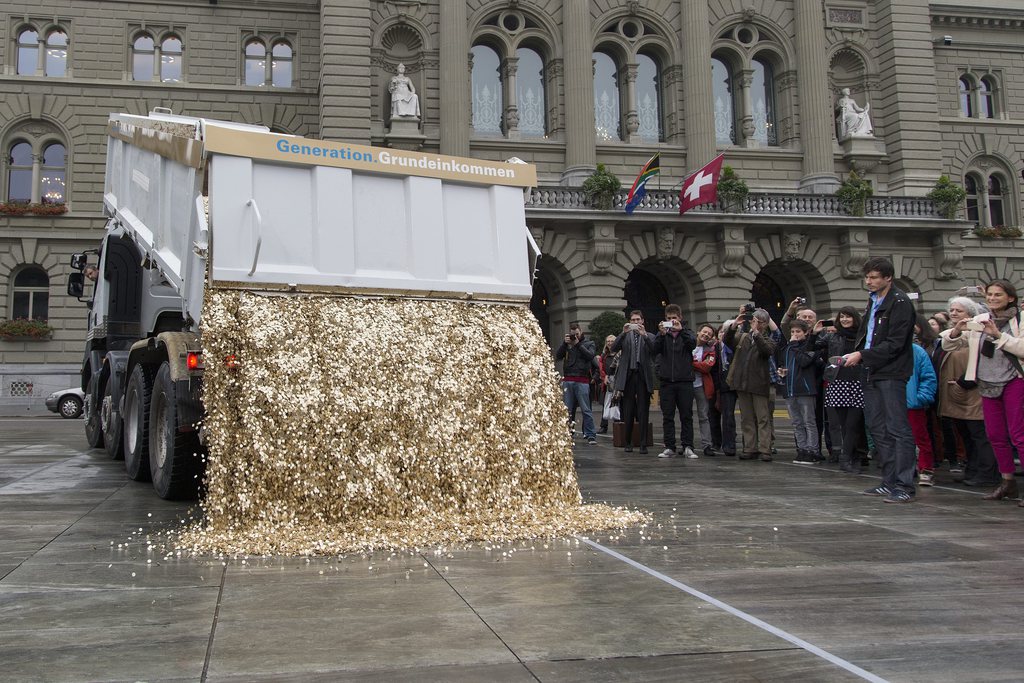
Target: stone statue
x,y
852,121
405,103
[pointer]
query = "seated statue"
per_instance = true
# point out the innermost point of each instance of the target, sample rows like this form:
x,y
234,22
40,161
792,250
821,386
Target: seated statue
x,y
405,103
852,121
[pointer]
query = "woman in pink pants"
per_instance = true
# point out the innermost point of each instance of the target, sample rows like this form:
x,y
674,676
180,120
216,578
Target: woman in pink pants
x,y
996,343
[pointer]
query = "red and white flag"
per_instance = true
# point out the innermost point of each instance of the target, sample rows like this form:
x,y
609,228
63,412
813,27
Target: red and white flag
x,y
701,187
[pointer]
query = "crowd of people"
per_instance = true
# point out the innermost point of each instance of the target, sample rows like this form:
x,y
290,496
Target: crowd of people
x,y
885,385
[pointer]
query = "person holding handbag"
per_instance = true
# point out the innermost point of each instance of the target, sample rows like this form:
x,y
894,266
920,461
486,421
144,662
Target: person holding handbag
x,y
609,364
995,342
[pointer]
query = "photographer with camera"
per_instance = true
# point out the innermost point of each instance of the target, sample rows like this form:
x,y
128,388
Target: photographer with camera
x,y
749,377
634,377
675,344
577,355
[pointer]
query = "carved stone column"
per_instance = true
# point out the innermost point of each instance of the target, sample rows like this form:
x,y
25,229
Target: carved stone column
x,y
553,74
580,138
698,105
746,83
632,118
509,69
601,250
732,247
456,107
815,108
345,112
854,251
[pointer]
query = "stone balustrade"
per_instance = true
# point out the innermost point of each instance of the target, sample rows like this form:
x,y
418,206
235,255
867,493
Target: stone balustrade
x,y
757,203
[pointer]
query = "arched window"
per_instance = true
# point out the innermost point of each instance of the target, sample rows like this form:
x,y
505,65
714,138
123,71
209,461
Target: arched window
x,y
143,58
971,188
19,173
648,98
966,103
530,98
607,117
995,202
255,63
30,294
28,52
281,64
763,92
172,53
486,83
52,178
56,54
986,98
725,118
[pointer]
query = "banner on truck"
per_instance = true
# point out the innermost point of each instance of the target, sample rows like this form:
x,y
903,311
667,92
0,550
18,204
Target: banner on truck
x,y
297,150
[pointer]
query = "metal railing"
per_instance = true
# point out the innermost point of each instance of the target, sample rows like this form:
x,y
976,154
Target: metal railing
x,y
757,203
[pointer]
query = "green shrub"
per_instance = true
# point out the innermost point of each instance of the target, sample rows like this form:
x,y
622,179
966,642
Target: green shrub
x,y
601,187
854,194
948,197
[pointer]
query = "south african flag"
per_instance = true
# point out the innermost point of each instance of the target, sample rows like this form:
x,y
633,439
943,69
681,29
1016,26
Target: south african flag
x,y
639,191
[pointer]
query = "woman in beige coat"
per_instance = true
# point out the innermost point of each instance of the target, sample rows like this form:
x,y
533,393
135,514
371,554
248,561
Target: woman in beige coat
x,y
960,403
995,347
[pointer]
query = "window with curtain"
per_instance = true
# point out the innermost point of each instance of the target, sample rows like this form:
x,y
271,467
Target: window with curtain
x,y
143,58
488,103
607,119
648,98
530,97
763,96
725,118
30,294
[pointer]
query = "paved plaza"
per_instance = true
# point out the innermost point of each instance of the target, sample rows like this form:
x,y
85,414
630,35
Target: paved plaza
x,y
750,572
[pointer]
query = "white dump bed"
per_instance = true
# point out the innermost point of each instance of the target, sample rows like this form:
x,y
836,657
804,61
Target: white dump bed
x,y
310,215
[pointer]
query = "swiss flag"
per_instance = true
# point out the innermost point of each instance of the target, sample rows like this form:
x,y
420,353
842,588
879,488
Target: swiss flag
x,y
702,186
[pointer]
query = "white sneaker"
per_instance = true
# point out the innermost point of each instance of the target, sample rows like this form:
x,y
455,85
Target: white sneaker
x,y
925,479
688,452
667,453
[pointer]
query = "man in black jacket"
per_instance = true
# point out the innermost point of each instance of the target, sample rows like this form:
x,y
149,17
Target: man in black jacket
x,y
885,348
675,345
578,354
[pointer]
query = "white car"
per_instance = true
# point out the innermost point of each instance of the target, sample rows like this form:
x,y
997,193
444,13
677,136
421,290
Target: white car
x,y
66,402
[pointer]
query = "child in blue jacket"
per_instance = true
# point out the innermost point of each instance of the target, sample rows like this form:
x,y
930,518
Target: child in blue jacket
x,y
921,388
800,367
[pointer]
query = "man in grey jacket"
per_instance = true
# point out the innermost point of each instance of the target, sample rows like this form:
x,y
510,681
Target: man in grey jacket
x,y
635,377
577,355
749,377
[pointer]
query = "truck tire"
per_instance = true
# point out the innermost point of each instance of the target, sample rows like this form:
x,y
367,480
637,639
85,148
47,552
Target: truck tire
x,y
136,423
113,435
93,429
174,459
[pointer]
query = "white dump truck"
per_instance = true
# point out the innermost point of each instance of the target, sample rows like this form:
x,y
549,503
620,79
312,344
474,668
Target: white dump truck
x,y
196,203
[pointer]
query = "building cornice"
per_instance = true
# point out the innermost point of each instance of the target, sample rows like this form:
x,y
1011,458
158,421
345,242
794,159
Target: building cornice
x,y
977,17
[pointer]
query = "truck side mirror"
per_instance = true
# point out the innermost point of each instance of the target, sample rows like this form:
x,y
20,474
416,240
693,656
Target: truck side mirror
x,y
76,285
78,260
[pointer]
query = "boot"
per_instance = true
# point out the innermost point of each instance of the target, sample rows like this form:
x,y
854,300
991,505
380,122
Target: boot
x,y
1007,489
604,427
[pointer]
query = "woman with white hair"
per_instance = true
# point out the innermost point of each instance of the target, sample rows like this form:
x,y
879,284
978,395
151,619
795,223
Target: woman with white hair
x,y
995,347
749,377
959,403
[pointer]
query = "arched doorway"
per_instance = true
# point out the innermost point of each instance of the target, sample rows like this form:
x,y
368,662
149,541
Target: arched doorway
x,y
779,282
645,292
539,308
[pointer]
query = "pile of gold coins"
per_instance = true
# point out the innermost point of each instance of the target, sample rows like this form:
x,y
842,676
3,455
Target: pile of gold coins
x,y
346,424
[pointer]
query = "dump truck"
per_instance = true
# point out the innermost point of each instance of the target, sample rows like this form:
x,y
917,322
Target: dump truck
x,y
195,203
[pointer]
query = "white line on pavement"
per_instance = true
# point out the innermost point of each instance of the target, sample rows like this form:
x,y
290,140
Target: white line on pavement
x,y
799,642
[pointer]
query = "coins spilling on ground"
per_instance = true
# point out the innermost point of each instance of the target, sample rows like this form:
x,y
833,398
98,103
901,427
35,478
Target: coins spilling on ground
x,y
355,424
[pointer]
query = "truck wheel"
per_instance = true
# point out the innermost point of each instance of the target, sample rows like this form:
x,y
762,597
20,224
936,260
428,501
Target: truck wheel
x,y
93,428
111,421
173,455
136,423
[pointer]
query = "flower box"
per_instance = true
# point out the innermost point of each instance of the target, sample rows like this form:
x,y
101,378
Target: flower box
x,y
25,330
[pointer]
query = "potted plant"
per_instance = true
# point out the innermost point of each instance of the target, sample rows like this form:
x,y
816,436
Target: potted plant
x,y
23,329
947,197
601,187
49,208
999,232
15,208
732,191
854,194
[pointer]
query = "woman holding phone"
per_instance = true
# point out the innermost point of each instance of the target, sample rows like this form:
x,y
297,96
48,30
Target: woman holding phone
x,y
995,343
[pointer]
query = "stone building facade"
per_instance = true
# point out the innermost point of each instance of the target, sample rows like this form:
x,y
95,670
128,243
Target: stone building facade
x,y
563,84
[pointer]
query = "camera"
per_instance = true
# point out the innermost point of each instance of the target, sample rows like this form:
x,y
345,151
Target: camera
x,y
666,325
973,326
633,327
749,307
828,323
801,300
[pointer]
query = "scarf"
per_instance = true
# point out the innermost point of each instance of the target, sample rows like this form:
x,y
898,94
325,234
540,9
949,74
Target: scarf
x,y
1002,318
847,332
